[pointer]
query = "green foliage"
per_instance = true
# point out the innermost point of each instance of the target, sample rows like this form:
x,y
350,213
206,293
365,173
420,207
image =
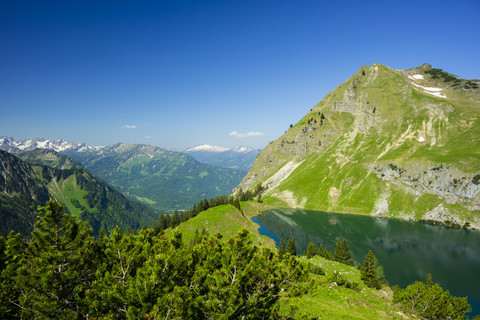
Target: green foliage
x,y
292,247
370,272
63,272
54,268
430,301
311,250
439,73
340,280
281,248
342,253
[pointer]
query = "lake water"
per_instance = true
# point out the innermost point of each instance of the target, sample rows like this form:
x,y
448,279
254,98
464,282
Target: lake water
x,y
408,251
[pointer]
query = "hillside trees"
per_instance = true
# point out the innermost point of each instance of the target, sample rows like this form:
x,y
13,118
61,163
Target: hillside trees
x,y
311,250
342,253
281,248
49,277
370,272
292,247
430,301
63,272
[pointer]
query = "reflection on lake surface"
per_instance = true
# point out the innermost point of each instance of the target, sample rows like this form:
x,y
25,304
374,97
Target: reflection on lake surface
x,y
408,251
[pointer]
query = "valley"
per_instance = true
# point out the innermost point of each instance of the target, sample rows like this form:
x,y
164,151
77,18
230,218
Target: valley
x,y
385,144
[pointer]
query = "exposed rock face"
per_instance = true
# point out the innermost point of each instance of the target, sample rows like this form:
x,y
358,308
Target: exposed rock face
x,y
401,143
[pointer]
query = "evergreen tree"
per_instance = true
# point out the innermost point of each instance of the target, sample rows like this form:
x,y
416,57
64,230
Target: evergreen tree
x,y
430,301
320,250
311,250
236,204
370,272
326,254
175,219
61,265
342,253
291,247
281,248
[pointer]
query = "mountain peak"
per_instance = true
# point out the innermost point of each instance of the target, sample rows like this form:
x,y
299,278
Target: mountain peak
x,y
381,136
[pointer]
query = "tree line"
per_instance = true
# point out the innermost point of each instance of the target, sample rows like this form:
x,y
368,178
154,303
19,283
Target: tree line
x,y
166,221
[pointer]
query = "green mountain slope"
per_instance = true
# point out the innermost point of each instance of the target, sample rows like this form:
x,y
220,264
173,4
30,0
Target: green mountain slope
x,y
24,186
165,180
49,158
397,143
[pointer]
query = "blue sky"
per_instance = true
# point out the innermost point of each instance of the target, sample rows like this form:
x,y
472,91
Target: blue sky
x,y
183,73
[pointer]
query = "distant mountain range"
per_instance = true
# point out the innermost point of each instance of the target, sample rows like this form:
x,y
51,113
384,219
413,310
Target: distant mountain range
x,y
240,158
26,184
17,146
165,180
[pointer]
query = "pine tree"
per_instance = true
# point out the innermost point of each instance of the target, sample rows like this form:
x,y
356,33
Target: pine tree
x,y
175,219
61,264
311,250
236,203
342,253
370,272
291,247
281,248
326,254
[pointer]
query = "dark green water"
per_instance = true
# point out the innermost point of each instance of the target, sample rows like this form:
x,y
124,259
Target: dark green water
x,y
408,251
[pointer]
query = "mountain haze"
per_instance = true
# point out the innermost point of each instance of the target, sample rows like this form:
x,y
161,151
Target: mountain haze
x,y
396,143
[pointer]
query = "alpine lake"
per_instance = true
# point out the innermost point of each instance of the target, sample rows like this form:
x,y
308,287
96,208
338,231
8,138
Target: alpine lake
x,y
408,251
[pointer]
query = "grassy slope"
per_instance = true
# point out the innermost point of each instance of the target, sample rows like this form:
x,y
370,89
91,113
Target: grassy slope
x,y
67,189
227,220
321,298
326,300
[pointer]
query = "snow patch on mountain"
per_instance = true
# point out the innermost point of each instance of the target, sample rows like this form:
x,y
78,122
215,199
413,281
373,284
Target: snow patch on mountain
x,y
430,90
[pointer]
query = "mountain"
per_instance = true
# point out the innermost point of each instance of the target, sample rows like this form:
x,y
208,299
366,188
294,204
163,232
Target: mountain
x,y
240,158
166,180
49,158
17,146
396,143
25,186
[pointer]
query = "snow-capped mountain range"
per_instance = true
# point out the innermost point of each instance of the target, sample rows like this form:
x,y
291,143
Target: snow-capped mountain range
x,y
236,158
217,149
17,146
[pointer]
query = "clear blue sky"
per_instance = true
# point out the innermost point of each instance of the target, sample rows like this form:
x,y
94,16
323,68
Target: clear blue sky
x,y
182,73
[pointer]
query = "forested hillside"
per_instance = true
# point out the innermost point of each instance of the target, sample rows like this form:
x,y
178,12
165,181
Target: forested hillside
x,y
24,186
